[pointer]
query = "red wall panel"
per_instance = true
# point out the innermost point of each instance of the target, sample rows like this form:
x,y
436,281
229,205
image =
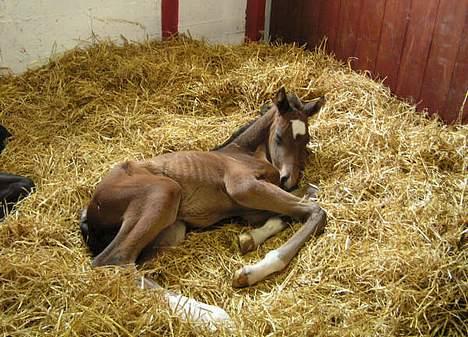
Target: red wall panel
x,y
392,38
459,83
169,18
329,22
442,56
415,54
420,47
348,28
255,19
370,28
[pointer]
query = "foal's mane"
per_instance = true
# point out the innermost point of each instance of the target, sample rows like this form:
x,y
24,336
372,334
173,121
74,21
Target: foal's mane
x,y
241,130
236,134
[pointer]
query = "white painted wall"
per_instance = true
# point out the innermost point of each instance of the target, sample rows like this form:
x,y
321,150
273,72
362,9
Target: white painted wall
x,y
33,30
218,21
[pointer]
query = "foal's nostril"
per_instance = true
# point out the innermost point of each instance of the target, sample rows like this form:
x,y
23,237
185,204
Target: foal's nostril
x,y
284,179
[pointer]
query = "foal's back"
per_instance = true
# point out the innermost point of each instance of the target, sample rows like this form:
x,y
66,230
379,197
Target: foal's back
x,y
202,175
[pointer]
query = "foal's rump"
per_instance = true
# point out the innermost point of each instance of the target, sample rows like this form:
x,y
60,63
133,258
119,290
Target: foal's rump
x,y
126,193
102,219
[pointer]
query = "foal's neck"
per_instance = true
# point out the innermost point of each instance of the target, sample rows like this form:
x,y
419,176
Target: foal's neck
x,y
256,134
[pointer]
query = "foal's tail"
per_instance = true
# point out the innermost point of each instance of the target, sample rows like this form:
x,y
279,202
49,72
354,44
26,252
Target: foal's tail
x,y
96,240
85,233
84,225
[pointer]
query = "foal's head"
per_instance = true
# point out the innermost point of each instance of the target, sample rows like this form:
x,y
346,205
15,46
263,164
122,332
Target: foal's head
x,y
289,135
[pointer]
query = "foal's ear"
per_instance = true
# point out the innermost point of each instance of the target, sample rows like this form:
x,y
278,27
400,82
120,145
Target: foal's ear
x,y
311,108
281,100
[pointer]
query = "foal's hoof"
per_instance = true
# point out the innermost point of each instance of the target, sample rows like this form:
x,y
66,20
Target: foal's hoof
x,y
246,243
240,279
312,192
322,224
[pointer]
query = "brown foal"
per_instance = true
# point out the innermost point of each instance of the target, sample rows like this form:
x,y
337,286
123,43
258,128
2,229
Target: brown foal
x,y
142,205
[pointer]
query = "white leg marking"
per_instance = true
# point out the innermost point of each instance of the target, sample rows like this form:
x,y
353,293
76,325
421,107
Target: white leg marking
x,y
191,310
270,264
271,227
348,243
298,127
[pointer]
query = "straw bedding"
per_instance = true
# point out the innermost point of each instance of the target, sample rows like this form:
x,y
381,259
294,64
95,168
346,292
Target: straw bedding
x,y
392,261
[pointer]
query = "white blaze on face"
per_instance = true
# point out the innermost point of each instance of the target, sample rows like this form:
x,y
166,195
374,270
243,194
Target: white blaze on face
x,y
298,127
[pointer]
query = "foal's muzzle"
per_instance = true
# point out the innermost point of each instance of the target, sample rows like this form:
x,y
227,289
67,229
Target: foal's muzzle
x,y
285,183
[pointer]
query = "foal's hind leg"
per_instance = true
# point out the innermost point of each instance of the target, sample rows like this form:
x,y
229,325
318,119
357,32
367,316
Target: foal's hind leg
x,y
146,216
170,236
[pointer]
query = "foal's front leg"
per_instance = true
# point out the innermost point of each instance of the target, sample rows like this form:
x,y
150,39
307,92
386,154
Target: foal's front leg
x,y
272,225
262,195
276,260
249,241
